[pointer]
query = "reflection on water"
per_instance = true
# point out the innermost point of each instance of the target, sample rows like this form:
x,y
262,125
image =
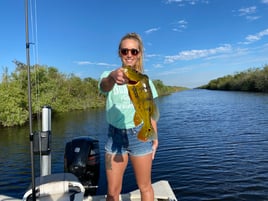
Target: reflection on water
x,y
213,146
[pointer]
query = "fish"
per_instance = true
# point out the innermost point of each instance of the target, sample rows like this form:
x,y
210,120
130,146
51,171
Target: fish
x,y
142,98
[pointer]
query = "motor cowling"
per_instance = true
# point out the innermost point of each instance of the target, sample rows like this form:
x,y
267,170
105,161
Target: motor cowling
x,y
82,158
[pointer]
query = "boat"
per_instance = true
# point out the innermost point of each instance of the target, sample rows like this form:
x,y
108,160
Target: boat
x,y
79,181
162,189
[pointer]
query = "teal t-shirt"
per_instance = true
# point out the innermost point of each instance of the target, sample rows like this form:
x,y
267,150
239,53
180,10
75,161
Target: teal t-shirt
x,y
119,108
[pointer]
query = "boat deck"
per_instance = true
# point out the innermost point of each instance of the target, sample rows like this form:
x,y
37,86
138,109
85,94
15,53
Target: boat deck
x,y
162,190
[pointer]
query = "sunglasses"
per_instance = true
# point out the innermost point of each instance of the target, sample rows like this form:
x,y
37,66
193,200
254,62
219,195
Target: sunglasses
x,y
124,51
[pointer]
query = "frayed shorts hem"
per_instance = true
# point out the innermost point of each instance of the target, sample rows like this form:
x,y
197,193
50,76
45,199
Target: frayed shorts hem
x,y
125,141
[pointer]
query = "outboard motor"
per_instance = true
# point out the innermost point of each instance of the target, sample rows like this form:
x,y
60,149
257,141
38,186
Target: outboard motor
x,y
82,158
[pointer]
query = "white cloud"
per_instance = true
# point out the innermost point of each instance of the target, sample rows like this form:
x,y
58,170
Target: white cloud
x,y
183,2
180,25
157,65
151,30
247,11
256,37
174,1
265,1
151,55
93,63
195,54
252,18
83,62
182,22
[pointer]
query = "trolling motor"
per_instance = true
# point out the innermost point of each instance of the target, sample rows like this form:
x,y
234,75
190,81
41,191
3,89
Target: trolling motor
x,y
82,158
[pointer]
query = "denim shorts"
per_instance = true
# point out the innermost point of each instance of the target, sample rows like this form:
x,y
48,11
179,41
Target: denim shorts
x,y
125,141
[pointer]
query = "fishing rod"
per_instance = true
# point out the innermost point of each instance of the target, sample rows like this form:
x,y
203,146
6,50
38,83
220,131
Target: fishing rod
x,y
29,99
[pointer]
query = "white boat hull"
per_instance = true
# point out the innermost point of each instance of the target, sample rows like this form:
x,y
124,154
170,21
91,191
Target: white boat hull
x,y
65,186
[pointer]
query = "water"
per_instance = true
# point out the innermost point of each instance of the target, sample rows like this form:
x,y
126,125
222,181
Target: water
x,y
213,146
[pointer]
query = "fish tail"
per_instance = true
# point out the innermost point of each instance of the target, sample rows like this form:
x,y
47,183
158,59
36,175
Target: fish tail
x,y
147,133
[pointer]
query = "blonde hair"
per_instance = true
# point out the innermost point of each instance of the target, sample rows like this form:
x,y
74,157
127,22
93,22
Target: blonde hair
x,y
134,36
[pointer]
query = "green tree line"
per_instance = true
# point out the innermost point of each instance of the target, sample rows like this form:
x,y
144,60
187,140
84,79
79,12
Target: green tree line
x,y
163,89
49,87
252,80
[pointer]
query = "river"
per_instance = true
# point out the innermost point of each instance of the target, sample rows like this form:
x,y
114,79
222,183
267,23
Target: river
x,y
213,146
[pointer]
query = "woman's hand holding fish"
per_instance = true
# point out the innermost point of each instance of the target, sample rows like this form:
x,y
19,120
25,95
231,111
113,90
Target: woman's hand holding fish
x,y
118,76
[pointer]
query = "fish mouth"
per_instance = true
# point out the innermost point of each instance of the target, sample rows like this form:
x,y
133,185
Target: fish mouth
x,y
132,82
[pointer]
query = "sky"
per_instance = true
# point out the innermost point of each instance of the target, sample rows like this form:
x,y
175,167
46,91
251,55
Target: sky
x,y
186,42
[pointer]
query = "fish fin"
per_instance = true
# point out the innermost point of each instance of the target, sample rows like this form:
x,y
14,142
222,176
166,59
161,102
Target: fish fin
x,y
137,119
146,133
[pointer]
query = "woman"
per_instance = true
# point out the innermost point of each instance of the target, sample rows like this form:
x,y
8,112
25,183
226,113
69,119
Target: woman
x,y
122,142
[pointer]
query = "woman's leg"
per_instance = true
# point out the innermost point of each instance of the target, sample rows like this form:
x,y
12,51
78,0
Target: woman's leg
x,y
115,168
142,166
